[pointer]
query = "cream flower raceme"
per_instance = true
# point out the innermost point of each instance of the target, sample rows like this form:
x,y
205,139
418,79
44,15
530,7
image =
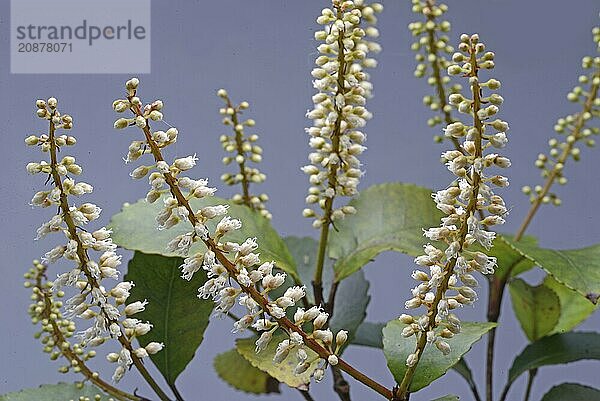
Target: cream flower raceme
x,y
339,112
576,130
244,150
433,53
236,274
469,204
93,300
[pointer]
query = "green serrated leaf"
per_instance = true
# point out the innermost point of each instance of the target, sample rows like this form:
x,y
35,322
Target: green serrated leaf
x,y
536,308
369,334
54,392
392,217
134,228
352,296
240,374
284,371
389,217
178,316
578,269
554,350
433,364
574,307
572,392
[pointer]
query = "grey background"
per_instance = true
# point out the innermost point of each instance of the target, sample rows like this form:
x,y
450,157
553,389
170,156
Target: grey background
x,y
262,51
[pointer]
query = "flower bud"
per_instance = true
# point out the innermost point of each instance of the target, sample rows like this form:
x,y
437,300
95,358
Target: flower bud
x,y
154,347
320,320
341,337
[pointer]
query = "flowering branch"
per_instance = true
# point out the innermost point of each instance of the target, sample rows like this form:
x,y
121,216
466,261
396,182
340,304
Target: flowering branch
x,y
47,311
461,202
219,267
434,45
576,124
244,151
68,221
337,115
578,132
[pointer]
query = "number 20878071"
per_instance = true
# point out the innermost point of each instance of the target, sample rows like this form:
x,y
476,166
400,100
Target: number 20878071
x,y
44,47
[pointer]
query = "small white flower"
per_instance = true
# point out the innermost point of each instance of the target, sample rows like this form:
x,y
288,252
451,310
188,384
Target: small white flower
x,y
320,320
142,328
250,260
266,268
226,225
135,307
301,367
296,339
210,212
54,254
302,355
242,324
248,246
284,302
324,335
263,341
185,163
154,347
243,278
271,282
298,316
412,360
122,289
276,311
181,244
191,265
341,337
140,172
319,374
283,350
163,167
295,293
140,352
443,346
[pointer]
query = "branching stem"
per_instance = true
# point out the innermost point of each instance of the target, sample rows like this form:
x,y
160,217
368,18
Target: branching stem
x,y
246,199
331,176
84,259
70,354
531,377
437,75
402,392
498,284
340,385
579,124
232,270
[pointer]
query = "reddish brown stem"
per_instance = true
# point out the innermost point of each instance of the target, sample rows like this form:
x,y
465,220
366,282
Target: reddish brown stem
x,y
232,270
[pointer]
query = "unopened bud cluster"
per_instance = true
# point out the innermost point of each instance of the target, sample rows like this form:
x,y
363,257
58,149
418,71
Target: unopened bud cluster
x,y
433,53
103,308
241,279
574,129
148,112
56,329
339,111
243,150
469,204
162,176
